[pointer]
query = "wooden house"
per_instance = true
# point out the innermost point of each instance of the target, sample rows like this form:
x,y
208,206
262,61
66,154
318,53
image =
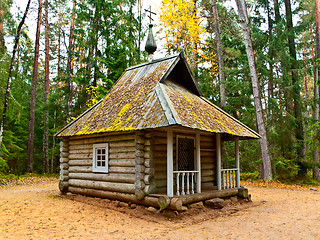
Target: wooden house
x,y
152,135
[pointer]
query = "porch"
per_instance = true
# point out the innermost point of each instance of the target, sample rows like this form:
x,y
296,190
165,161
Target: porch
x,y
186,184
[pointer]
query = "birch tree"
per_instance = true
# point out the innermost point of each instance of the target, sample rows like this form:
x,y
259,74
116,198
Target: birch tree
x,y
6,99
244,21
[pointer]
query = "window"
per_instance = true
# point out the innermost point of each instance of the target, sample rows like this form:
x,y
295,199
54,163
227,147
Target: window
x,y
185,153
100,157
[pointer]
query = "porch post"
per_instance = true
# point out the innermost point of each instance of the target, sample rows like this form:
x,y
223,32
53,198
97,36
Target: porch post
x,y
218,146
198,161
169,163
237,160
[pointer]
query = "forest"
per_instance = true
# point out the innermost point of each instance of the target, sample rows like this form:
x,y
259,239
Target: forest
x,y
257,60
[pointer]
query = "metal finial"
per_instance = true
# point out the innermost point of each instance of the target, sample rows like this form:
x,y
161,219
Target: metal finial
x,y
151,45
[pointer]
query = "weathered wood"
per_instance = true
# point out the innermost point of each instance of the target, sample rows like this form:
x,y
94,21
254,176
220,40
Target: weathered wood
x,y
64,149
81,169
123,155
121,149
206,173
64,166
129,143
159,140
64,160
139,184
159,154
85,140
207,166
80,156
63,187
160,147
148,201
147,142
147,155
207,154
121,170
64,143
139,153
197,197
64,178
149,171
148,179
151,188
163,202
140,194
161,183
122,178
176,204
83,162
99,185
160,175
140,168
64,154
207,179
78,147
149,163
82,151
122,163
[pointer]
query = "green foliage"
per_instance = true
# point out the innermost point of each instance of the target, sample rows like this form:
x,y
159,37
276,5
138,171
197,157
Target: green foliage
x,y
249,176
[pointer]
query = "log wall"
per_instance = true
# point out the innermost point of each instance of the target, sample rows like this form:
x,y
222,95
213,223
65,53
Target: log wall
x,y
64,166
124,153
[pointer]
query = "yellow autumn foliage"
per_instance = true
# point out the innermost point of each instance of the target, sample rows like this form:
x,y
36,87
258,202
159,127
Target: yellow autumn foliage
x,y
182,26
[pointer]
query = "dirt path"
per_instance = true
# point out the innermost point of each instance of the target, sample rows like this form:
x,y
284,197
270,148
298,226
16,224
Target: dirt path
x,y
39,212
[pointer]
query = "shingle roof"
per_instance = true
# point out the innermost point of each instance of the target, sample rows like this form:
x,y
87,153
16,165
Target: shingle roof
x,y
153,95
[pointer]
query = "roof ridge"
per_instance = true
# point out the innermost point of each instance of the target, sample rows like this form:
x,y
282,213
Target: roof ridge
x,y
152,62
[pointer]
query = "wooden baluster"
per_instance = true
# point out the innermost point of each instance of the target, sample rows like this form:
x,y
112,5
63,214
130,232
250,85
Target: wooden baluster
x,y
227,186
192,183
188,179
178,184
234,178
182,185
230,183
222,175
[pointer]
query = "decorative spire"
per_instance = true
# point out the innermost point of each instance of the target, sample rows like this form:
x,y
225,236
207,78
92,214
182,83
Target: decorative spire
x,y
151,45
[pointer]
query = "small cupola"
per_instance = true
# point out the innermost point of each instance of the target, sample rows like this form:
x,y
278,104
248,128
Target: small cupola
x,y
151,45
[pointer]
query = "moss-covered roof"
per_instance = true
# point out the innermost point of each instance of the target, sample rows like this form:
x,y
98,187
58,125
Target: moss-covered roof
x,y
154,95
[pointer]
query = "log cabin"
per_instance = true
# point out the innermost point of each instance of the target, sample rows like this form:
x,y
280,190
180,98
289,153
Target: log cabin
x,y
153,137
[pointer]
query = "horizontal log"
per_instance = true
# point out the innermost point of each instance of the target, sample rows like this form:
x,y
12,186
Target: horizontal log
x,y
64,143
64,149
149,162
64,160
147,148
124,155
82,162
92,140
64,166
80,169
159,140
160,147
139,146
87,151
129,143
162,160
80,156
161,183
99,185
64,178
160,175
147,142
148,135
121,170
79,147
121,149
122,163
139,153
206,138
139,160
159,154
121,178
207,179
148,179
140,168
207,173
207,154
197,197
208,185
149,171
205,166
64,172
140,139
64,154
147,201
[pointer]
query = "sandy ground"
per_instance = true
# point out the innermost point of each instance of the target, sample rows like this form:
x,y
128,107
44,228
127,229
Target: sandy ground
x,y
38,211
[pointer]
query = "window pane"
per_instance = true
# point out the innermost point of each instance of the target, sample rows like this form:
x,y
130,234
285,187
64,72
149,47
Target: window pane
x,y
98,157
103,151
103,164
98,164
98,151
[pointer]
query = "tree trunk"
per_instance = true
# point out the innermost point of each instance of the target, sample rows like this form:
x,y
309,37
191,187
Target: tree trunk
x,y
220,55
316,95
34,92
243,19
46,93
6,98
271,56
69,63
300,151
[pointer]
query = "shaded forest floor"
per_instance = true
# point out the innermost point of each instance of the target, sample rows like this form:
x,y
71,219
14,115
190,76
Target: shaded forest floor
x,y
36,210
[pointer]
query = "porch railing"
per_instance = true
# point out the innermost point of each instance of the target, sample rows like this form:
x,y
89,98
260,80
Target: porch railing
x,y
185,182
229,178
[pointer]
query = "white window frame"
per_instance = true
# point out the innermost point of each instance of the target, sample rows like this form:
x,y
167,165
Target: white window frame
x,y
101,169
